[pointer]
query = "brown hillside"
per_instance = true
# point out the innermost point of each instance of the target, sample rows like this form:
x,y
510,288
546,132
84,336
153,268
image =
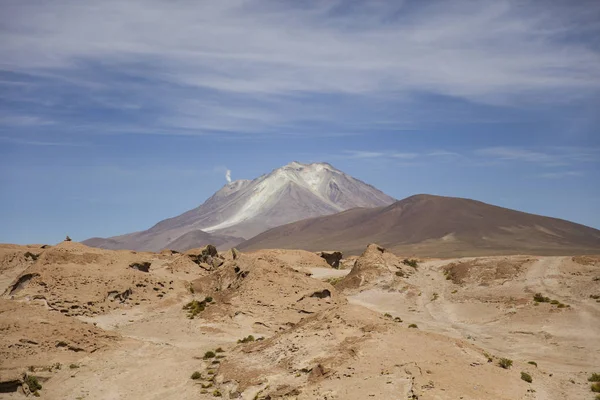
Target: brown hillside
x,y
429,225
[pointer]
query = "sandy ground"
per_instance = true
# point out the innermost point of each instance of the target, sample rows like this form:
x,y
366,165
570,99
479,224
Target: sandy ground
x,y
324,348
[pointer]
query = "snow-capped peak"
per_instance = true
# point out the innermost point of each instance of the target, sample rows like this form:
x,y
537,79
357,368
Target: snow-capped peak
x,y
289,193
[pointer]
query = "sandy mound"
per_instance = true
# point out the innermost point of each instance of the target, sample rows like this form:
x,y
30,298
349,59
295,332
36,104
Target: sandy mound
x,y
78,280
293,258
262,288
485,271
34,336
14,259
375,267
345,353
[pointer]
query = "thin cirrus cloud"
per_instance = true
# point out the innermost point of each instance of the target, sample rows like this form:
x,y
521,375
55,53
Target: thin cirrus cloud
x,y
544,158
561,174
550,157
270,67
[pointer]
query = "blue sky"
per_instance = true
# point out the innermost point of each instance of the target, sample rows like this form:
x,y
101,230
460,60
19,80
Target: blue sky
x,y
115,115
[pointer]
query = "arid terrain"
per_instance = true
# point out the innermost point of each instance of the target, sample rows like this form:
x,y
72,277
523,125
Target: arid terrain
x,y
87,323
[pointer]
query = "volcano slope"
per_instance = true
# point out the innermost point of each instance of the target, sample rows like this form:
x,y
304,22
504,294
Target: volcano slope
x,y
261,326
433,226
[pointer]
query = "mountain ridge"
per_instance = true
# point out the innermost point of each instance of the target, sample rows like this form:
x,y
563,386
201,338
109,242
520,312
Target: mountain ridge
x,y
245,208
430,225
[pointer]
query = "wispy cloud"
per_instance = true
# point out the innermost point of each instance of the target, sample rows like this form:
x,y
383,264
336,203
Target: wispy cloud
x,y
557,156
560,174
26,142
262,67
392,155
23,120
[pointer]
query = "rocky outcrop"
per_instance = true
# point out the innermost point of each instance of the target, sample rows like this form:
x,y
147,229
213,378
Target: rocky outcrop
x,y
206,256
141,266
375,267
333,258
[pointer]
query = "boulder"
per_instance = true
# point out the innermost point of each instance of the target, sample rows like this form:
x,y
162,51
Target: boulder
x,y
332,257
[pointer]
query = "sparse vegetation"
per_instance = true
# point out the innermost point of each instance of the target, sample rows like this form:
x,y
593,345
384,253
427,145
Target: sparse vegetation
x,y
195,307
413,326
539,298
505,363
73,366
334,281
33,384
216,393
398,319
596,387
489,357
594,296
594,378
207,385
208,299
435,296
526,377
31,255
247,339
532,363
400,273
387,315
209,354
411,263
219,350
196,375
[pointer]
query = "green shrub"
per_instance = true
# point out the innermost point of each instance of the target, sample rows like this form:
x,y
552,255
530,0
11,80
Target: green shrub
x,y
596,387
540,299
505,363
594,378
73,366
219,350
206,385
400,273
196,375
489,357
411,262
31,255
216,393
208,299
532,363
194,308
32,383
413,326
398,319
526,377
435,297
555,302
247,339
387,315
209,354
334,281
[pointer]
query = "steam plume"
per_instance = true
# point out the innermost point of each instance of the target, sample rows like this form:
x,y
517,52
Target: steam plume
x,y
228,176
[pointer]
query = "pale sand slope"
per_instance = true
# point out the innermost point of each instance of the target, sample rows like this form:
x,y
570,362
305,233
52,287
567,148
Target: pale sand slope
x,y
317,346
496,312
